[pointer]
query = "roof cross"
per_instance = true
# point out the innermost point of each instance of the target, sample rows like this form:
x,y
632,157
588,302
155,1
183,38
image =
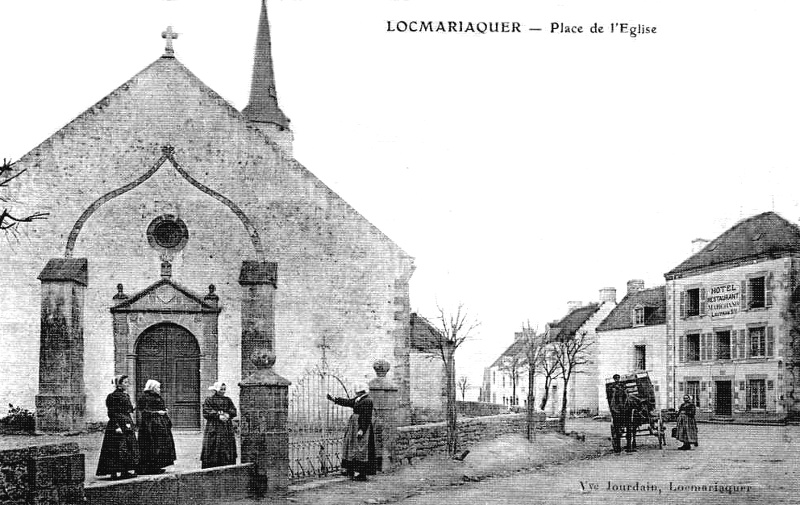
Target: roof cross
x,y
169,35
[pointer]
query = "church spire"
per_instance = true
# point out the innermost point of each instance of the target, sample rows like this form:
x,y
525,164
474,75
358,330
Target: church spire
x,y
263,106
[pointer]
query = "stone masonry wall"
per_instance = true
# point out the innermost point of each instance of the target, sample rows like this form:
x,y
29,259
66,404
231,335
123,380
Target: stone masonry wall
x,y
45,475
425,439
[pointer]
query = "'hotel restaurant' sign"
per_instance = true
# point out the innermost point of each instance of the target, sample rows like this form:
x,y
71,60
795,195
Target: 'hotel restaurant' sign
x,y
724,300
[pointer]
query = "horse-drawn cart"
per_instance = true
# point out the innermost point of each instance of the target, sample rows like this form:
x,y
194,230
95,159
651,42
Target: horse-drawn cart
x,y
639,413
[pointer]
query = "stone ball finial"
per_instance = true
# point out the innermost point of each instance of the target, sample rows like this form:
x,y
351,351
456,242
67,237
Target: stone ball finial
x,y
263,358
381,367
211,289
120,289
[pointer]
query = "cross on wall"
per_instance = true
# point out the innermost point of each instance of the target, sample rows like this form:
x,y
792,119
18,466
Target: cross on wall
x,y
170,36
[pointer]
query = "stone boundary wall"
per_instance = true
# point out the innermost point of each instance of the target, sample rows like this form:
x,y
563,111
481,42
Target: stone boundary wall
x,y
423,440
229,483
480,409
45,474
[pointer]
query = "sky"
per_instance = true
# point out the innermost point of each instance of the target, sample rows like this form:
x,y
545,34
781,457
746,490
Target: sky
x,y
520,170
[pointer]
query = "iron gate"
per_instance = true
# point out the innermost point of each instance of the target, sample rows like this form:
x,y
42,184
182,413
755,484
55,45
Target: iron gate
x,y
316,426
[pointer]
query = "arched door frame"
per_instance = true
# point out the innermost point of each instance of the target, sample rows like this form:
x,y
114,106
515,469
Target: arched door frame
x,y
166,302
171,394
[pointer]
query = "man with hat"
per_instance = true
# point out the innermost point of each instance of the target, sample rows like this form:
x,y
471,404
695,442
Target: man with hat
x,y
617,399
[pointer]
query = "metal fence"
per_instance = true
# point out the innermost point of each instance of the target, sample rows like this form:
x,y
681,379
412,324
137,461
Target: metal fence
x,y
316,426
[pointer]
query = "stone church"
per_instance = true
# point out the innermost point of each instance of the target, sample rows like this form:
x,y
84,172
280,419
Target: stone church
x,y
182,235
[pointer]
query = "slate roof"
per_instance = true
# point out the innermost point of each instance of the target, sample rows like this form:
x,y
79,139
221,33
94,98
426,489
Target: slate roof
x,y
571,323
423,334
766,235
513,350
654,300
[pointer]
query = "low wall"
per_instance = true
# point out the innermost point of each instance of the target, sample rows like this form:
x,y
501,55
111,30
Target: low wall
x,y
234,482
45,474
425,439
479,409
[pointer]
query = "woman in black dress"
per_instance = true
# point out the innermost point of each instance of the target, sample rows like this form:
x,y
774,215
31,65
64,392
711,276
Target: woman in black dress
x,y
219,441
155,432
119,453
358,450
686,430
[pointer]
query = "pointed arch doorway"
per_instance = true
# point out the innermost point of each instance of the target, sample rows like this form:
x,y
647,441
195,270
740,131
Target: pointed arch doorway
x,y
170,354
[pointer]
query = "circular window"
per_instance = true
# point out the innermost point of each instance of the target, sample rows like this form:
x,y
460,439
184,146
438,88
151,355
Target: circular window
x,y
167,233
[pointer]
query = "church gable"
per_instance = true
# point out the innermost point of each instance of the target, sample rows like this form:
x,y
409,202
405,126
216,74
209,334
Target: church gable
x,y
164,296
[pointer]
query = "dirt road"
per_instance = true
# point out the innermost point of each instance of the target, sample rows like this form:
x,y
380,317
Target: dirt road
x,y
733,464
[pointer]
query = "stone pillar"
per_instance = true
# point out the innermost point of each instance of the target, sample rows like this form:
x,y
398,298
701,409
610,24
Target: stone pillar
x,y
258,279
264,407
209,348
385,399
61,402
124,357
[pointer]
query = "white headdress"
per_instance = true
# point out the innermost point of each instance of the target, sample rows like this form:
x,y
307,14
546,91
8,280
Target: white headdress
x,y
151,385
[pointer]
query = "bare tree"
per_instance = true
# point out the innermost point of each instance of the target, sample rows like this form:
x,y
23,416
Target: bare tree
x,y
9,223
452,330
549,370
463,383
534,349
512,366
571,353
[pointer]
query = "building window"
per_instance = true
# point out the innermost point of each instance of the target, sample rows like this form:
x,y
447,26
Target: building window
x,y
638,316
724,344
693,390
757,293
494,397
693,347
167,233
504,381
758,340
757,397
640,355
693,302
494,377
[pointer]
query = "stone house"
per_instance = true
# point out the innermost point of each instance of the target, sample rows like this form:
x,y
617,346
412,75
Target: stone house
x,y
582,394
633,338
183,235
427,372
731,324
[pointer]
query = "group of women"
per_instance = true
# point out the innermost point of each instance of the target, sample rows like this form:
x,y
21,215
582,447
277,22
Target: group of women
x,y
123,455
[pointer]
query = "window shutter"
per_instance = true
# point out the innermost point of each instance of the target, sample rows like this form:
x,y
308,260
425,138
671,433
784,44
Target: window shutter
x,y
770,341
768,290
743,295
702,301
734,347
746,338
742,352
710,346
702,347
683,304
681,348
747,395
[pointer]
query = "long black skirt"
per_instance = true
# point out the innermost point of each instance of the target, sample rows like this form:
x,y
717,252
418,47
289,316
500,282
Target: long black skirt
x,y
119,452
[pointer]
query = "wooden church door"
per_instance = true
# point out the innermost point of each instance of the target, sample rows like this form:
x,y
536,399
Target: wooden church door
x,y
169,354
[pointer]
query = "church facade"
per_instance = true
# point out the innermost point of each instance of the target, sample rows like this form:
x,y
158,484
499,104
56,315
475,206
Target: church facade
x,y
182,236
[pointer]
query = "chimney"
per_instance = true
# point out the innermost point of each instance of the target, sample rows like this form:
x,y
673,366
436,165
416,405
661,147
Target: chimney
x,y
608,295
573,305
635,285
517,335
698,244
